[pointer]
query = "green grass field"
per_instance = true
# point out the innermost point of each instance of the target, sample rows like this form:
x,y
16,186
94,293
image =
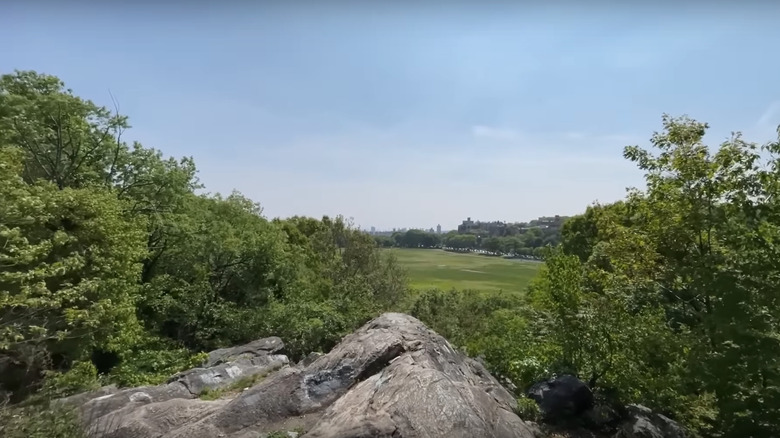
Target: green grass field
x,y
433,268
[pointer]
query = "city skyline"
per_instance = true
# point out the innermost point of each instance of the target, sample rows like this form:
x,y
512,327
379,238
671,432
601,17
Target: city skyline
x,y
439,229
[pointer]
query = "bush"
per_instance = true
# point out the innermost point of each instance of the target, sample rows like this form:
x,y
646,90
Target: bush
x,y
153,363
47,421
81,377
528,409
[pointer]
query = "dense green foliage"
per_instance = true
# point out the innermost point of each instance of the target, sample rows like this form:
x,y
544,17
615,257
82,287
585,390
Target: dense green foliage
x,y
113,268
668,298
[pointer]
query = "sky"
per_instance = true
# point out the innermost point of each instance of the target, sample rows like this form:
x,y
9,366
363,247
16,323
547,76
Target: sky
x,y
409,114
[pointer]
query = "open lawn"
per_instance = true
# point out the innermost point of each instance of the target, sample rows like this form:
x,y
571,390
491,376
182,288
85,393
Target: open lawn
x,y
433,268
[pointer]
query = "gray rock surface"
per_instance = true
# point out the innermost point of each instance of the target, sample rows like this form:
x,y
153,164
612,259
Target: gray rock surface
x,y
155,410
393,377
80,399
644,423
223,374
259,348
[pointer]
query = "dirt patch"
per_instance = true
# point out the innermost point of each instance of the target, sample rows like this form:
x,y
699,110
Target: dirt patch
x,y
471,270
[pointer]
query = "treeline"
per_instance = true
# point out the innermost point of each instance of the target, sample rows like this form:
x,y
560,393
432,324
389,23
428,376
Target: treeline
x,y
527,243
669,298
113,269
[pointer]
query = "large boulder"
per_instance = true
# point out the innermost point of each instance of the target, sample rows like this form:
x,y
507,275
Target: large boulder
x,y
392,377
419,386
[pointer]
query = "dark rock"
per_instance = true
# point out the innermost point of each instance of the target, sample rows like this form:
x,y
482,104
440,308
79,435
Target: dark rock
x,y
600,417
561,398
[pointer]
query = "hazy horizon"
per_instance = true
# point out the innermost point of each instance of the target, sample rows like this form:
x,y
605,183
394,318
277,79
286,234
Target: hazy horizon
x,y
409,116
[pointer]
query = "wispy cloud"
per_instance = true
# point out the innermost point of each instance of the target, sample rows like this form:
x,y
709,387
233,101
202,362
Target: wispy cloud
x,y
596,138
765,127
770,116
576,135
494,133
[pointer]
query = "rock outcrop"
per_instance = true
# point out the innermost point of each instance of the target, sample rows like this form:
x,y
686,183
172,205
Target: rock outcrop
x,y
393,377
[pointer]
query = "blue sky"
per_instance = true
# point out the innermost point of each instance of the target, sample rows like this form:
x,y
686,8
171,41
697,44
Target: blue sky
x,y
409,116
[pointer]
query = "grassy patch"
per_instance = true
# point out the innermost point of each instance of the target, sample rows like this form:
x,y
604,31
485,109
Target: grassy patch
x,y
285,434
233,388
431,268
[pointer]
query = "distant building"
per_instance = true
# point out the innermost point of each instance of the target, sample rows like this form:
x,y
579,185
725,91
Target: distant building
x,y
466,226
438,229
373,230
495,228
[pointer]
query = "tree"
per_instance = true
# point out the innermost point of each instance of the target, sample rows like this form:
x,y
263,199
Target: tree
x,y
384,241
713,218
461,241
697,245
69,267
72,142
207,288
69,141
493,244
346,281
158,189
532,238
416,239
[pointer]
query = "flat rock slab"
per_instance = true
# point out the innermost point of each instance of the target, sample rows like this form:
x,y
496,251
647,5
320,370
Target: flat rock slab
x,y
132,412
